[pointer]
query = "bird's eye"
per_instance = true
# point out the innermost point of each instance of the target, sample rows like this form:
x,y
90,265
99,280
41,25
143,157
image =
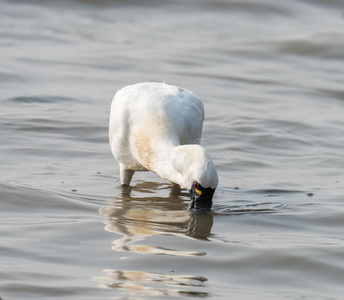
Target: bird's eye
x,y
195,185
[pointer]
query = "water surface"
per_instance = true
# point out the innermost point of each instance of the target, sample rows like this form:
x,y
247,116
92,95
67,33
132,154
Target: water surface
x,y
270,76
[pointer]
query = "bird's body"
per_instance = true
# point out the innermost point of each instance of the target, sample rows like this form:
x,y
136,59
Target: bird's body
x,y
154,126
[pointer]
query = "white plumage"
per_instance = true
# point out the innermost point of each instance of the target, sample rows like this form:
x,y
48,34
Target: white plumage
x,y
153,126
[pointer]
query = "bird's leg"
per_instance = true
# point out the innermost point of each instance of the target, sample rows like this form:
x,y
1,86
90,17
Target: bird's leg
x,y
125,175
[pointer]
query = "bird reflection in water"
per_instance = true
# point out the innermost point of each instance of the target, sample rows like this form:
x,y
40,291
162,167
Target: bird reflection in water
x,y
136,218
152,284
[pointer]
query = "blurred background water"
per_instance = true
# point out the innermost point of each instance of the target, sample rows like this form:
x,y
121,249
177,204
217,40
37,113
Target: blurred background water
x,y
270,74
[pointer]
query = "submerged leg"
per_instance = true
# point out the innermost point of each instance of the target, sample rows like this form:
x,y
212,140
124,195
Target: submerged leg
x,y
125,175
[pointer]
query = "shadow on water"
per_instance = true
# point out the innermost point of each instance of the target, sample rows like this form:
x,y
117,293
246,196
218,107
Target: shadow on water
x,y
137,214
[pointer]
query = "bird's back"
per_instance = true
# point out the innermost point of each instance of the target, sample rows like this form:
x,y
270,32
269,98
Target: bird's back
x,y
146,116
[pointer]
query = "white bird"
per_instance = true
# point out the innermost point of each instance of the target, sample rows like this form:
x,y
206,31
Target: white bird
x,y
154,127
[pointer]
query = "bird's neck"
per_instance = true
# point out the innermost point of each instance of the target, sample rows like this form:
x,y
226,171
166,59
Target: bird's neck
x,y
184,164
164,166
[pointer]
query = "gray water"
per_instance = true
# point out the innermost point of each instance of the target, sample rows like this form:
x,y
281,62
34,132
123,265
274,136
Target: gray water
x,y
270,74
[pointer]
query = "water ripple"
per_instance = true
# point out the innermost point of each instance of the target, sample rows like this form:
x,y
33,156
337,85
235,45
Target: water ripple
x,y
41,99
252,208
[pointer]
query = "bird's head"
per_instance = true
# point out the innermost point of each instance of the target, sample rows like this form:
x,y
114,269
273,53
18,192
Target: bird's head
x,y
195,171
201,198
